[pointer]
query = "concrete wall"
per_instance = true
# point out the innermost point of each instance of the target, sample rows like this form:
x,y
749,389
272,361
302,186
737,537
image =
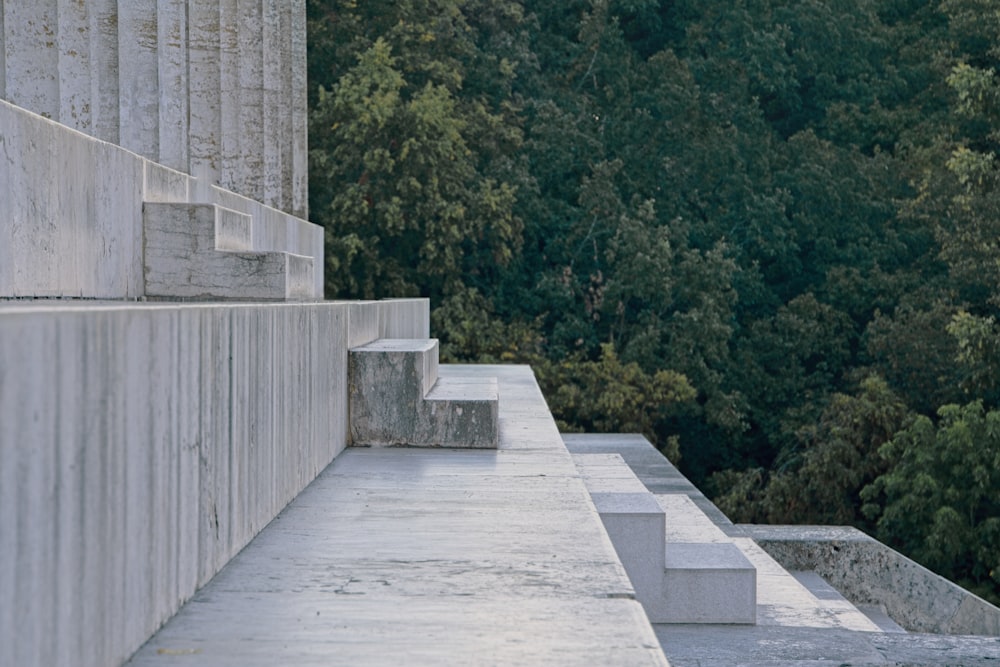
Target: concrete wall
x,y
71,212
142,446
213,88
868,572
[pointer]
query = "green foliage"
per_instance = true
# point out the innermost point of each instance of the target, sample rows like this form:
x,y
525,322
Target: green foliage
x,y
938,500
820,481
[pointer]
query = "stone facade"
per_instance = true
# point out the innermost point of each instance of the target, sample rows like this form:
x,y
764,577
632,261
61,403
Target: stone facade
x,y
211,88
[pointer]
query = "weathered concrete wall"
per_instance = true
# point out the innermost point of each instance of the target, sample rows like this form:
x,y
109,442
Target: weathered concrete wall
x,y
142,446
866,571
71,208
213,88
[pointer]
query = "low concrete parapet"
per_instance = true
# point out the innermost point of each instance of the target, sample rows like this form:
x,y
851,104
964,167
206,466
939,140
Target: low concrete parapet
x,y
868,572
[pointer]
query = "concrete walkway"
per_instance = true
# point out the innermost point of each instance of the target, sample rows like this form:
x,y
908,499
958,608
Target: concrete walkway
x,y
426,557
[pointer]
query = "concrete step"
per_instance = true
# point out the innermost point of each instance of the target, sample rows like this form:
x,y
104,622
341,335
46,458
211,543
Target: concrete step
x,y
397,398
684,568
205,251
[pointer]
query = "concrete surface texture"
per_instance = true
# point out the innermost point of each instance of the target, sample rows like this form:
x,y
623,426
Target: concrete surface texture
x,y
405,556
143,446
212,88
398,398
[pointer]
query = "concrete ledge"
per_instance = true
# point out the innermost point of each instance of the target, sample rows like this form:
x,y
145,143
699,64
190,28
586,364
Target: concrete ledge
x,y
868,572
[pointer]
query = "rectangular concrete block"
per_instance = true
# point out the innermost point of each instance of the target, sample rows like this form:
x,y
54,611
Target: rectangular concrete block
x,y
634,522
708,583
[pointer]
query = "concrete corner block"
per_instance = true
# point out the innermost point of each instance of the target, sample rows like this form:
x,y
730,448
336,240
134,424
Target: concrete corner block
x,y
708,583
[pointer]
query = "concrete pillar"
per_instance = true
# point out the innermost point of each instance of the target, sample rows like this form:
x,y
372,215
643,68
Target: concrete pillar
x,y
204,84
31,57
229,87
299,167
139,77
249,174
105,107
74,65
172,50
277,110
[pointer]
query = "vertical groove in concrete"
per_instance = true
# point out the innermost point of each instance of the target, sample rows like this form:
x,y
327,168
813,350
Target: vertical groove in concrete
x,y
172,51
138,76
229,87
299,166
272,40
3,57
32,56
74,65
204,45
249,177
104,104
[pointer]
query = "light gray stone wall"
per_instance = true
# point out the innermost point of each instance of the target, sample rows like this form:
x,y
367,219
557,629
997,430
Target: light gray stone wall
x,y
212,88
868,572
71,210
142,446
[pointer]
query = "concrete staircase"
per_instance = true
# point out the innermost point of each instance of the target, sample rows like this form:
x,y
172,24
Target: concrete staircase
x,y
683,568
206,251
398,398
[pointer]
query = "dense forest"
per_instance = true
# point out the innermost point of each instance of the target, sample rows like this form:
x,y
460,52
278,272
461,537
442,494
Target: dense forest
x,y
764,233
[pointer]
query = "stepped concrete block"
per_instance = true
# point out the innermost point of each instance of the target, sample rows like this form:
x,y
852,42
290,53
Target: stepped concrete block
x,y
389,378
398,399
634,522
197,251
708,583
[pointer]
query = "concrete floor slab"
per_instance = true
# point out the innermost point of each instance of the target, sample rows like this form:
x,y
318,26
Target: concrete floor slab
x,y
400,556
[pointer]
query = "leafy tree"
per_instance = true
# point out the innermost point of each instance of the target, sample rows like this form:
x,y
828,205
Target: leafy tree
x,y
938,501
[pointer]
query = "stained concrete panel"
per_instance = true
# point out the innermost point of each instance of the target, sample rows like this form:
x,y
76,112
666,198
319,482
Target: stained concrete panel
x,y
103,31
174,92
75,93
139,78
31,31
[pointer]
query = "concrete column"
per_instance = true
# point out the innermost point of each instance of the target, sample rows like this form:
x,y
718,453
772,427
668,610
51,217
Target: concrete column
x,y
31,58
249,179
229,86
103,31
74,65
139,77
204,85
299,167
277,111
172,48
